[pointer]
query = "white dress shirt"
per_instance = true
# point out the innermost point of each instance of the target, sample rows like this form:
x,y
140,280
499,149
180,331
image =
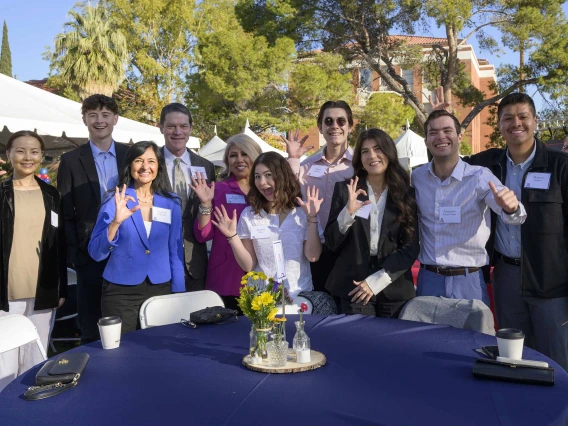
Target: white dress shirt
x,y
185,167
379,280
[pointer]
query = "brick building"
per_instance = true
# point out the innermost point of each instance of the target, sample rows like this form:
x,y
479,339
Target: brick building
x,y
481,73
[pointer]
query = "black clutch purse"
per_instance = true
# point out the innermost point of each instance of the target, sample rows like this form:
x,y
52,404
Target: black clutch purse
x,y
212,315
58,375
491,369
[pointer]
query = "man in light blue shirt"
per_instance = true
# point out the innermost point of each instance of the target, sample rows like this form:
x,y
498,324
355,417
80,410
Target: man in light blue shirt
x,y
105,163
453,201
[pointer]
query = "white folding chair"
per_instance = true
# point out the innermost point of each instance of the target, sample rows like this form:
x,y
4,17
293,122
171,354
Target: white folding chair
x,y
171,308
17,330
67,311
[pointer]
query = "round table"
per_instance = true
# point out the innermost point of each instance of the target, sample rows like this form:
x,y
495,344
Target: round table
x,y
378,372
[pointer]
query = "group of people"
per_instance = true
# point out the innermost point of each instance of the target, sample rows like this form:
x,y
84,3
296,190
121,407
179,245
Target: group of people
x,y
133,221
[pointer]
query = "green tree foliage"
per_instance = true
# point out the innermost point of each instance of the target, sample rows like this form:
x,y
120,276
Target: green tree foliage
x,y
160,41
90,56
5,54
243,76
365,30
387,112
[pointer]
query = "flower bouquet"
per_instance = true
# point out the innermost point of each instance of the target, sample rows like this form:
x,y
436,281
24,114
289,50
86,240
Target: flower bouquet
x,y
259,296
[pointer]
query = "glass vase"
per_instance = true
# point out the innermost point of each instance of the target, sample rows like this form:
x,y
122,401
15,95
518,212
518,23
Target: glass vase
x,y
301,343
277,353
258,339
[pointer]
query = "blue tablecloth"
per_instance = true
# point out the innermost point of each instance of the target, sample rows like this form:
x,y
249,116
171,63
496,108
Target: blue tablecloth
x,y
378,372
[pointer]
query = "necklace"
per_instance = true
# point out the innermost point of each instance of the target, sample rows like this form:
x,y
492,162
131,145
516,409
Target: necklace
x,y
148,200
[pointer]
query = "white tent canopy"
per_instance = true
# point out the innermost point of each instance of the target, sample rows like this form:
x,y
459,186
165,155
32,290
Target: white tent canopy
x,y
264,147
214,150
24,107
411,149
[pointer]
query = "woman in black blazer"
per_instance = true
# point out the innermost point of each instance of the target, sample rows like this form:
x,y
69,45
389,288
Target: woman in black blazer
x,y
373,228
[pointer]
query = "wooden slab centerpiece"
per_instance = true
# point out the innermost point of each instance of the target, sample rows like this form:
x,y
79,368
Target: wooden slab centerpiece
x,y
317,360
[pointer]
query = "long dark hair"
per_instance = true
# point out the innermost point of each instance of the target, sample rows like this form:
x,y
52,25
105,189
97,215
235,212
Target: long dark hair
x,y
396,178
160,185
286,186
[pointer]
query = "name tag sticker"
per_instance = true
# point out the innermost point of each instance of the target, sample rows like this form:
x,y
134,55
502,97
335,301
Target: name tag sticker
x,y
260,232
364,211
235,199
160,214
54,219
280,263
196,169
317,171
537,180
450,214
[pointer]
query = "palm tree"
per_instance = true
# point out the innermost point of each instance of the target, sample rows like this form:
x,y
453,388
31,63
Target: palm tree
x,y
90,54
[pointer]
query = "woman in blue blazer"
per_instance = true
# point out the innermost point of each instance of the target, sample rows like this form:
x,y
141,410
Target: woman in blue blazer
x,y
139,230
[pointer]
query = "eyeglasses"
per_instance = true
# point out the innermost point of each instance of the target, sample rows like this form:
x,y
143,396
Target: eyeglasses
x,y
341,121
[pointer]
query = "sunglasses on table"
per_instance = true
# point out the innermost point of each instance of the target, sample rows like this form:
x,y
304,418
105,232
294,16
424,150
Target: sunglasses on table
x,y
341,121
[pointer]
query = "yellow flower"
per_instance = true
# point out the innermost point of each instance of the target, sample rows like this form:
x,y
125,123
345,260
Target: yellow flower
x,y
256,304
244,282
262,276
272,314
266,298
255,277
250,274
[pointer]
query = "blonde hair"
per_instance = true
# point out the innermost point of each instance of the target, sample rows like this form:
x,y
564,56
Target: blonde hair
x,y
246,144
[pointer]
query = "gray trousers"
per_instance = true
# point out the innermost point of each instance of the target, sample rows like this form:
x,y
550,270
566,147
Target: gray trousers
x,y
544,321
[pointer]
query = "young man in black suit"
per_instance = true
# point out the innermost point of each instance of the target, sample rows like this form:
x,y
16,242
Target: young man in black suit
x,y
84,176
176,125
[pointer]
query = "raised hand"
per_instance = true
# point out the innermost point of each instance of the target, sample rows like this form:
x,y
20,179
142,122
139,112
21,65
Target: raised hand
x,y
122,210
506,199
227,225
361,293
313,202
440,103
203,191
295,148
352,203
2,172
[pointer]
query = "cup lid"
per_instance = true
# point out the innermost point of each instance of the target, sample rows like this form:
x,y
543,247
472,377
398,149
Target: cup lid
x,y
110,321
510,333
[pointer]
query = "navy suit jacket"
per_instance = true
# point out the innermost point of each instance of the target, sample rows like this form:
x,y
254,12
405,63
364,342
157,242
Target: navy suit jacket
x,y
134,256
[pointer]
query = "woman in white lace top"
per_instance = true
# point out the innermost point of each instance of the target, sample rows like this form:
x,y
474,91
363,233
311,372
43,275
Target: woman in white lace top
x,y
276,212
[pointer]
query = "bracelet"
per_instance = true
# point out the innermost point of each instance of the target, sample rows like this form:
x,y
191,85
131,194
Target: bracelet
x,y
232,236
205,210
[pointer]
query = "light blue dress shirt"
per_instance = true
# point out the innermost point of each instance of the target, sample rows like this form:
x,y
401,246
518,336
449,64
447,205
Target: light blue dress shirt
x,y
107,170
508,237
463,243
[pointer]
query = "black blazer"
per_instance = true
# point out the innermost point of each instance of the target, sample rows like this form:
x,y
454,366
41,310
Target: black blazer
x,y
396,253
195,253
78,182
52,273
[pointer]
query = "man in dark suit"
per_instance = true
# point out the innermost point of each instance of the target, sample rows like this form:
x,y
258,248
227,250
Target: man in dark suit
x,y
84,176
176,125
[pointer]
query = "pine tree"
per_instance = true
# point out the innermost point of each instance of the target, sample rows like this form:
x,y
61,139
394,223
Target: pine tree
x,y
5,55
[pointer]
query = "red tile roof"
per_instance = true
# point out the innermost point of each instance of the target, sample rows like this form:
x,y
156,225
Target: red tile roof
x,y
421,39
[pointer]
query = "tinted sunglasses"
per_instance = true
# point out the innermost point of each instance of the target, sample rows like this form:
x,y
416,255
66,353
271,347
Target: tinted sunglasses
x,y
341,121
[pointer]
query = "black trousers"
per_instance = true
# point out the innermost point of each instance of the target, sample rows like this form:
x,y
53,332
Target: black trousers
x,y
322,268
377,306
124,301
194,284
89,289
231,303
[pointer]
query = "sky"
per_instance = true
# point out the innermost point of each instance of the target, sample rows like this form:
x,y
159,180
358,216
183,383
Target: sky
x,y
33,24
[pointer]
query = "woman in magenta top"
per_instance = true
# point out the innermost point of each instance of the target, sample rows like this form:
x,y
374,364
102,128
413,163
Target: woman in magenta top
x,y
223,273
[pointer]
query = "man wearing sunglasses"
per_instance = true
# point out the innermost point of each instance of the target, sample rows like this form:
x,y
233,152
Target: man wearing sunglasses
x,y
324,168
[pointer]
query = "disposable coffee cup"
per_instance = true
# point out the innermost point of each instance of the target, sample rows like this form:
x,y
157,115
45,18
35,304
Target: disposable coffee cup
x,y
110,327
510,343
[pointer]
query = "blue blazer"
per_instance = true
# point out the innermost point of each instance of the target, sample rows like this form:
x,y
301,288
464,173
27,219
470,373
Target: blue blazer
x,y
134,256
